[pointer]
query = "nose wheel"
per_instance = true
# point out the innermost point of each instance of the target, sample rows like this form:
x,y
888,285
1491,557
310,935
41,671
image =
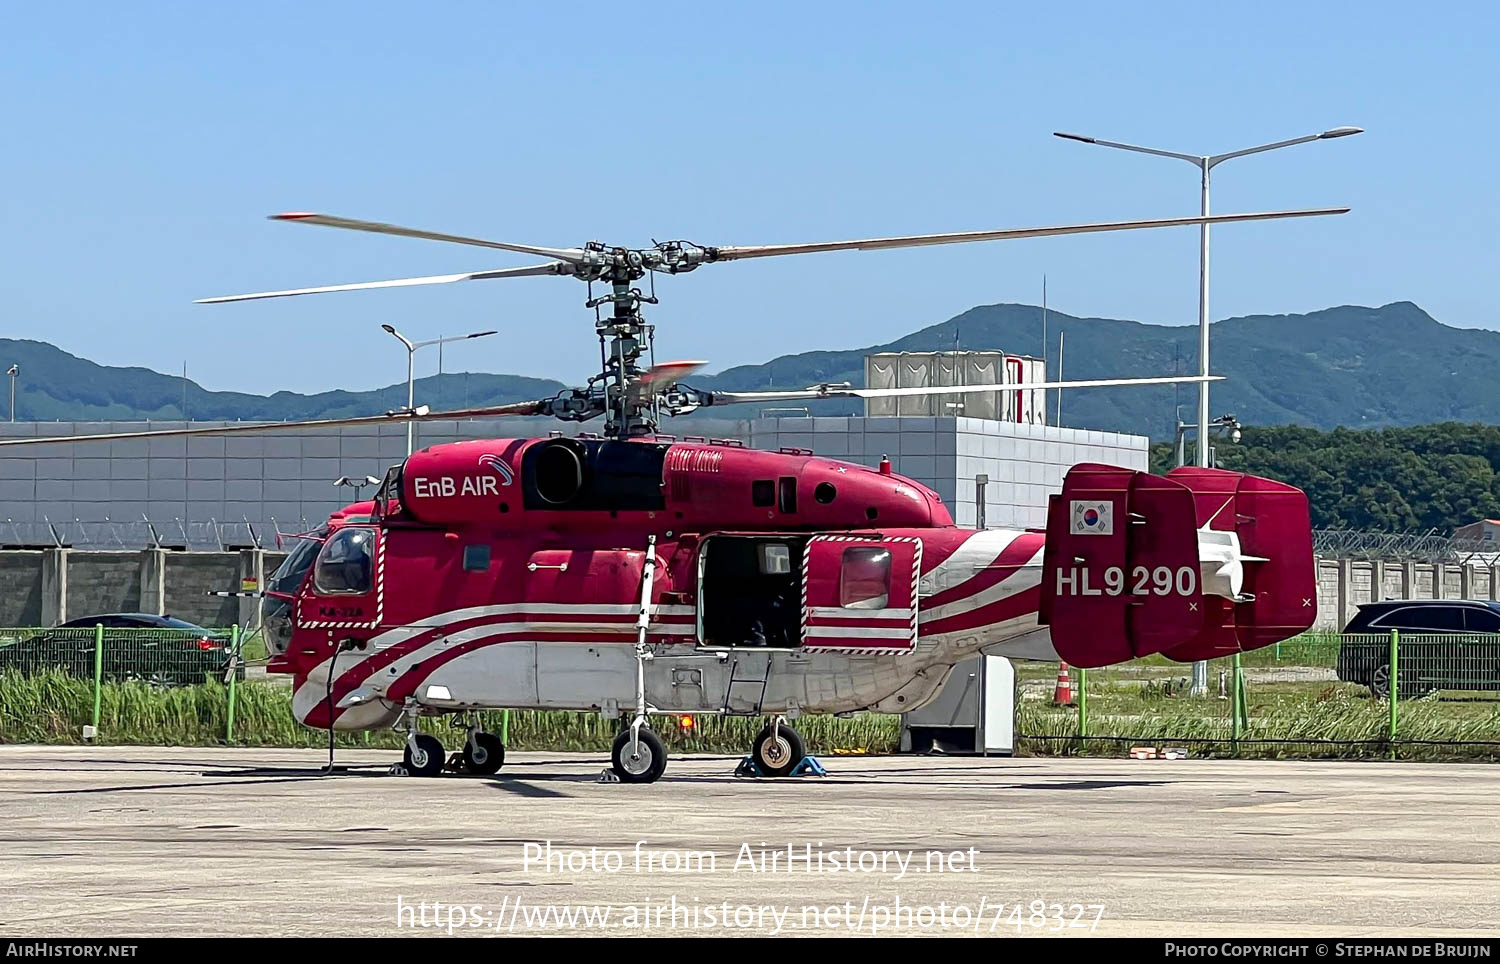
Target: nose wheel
x,y
483,753
423,756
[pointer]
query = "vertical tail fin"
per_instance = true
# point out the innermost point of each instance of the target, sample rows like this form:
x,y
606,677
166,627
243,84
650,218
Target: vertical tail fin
x,y
1120,568
1199,564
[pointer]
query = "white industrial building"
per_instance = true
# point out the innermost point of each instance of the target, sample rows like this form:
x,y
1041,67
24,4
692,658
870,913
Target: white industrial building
x,y
237,491
213,492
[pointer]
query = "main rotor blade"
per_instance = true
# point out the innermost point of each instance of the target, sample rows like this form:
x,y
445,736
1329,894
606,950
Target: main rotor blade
x,y
549,267
397,418
735,253
670,372
573,255
811,394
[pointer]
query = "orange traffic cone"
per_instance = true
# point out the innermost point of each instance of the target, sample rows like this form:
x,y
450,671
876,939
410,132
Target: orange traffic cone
x,y
1062,695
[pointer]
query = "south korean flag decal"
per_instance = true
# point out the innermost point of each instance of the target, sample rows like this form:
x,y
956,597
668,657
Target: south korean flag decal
x,y
1091,518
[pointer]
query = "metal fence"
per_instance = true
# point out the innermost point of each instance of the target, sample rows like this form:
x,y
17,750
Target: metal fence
x,y
1318,695
99,655
1315,695
210,536
1415,546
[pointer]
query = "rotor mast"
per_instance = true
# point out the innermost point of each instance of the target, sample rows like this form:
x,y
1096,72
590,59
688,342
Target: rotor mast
x,y
623,334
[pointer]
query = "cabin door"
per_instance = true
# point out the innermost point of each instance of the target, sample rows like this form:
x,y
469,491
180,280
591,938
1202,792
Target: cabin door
x,y
750,591
861,594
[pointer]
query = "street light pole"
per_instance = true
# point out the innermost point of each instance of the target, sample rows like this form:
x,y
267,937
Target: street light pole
x,y
14,372
411,354
1230,424
1206,163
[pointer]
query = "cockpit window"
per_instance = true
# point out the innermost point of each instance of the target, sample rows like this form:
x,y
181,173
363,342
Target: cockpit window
x,y
347,562
288,577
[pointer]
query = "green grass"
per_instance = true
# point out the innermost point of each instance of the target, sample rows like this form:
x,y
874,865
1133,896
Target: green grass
x,y
1295,708
53,708
1309,715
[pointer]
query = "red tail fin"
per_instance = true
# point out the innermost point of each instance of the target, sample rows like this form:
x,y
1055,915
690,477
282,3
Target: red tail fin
x,y
1269,524
1120,568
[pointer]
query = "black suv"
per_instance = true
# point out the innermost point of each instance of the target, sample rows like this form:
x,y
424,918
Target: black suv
x,y
1444,644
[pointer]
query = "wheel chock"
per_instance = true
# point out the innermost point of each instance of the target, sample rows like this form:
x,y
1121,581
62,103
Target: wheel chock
x,y
608,775
809,767
398,770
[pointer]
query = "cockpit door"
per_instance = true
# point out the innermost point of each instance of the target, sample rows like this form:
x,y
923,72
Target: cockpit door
x,y
861,594
347,588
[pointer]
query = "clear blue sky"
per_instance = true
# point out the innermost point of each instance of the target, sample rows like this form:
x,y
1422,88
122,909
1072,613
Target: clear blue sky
x,y
145,143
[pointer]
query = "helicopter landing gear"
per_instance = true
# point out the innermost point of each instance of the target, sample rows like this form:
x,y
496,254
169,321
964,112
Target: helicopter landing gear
x,y
424,752
482,753
777,749
638,755
423,756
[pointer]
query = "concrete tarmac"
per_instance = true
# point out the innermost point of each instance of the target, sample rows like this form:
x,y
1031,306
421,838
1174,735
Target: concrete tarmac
x,y
135,841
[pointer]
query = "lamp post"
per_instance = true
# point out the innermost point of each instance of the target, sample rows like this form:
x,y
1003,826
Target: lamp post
x,y
1231,425
14,372
1206,163
411,352
358,485
1224,423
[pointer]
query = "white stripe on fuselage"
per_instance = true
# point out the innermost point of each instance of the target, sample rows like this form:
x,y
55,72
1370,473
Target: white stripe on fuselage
x,y
972,557
318,676
1026,576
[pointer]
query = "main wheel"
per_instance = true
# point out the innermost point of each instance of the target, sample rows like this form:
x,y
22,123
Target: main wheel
x,y
427,759
777,749
639,763
484,754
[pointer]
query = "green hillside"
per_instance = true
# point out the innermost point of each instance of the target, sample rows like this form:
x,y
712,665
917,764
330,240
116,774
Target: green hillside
x,y
57,385
1353,366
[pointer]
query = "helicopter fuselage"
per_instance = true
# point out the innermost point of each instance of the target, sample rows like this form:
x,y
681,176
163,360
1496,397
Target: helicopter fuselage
x,y
510,573
629,577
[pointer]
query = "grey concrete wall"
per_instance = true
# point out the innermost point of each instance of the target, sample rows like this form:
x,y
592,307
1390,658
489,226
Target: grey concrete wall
x,y
191,575
1328,595
1343,584
102,582
20,588
1392,585
42,588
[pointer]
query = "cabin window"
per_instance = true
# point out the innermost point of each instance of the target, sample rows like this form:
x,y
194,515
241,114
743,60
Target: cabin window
x,y
865,578
775,558
786,495
476,558
762,493
347,562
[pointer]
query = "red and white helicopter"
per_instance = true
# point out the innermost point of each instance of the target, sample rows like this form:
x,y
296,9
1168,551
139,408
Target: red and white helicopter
x,y
633,574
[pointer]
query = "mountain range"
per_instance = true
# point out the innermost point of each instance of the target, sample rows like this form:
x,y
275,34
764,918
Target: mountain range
x,y
1350,365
